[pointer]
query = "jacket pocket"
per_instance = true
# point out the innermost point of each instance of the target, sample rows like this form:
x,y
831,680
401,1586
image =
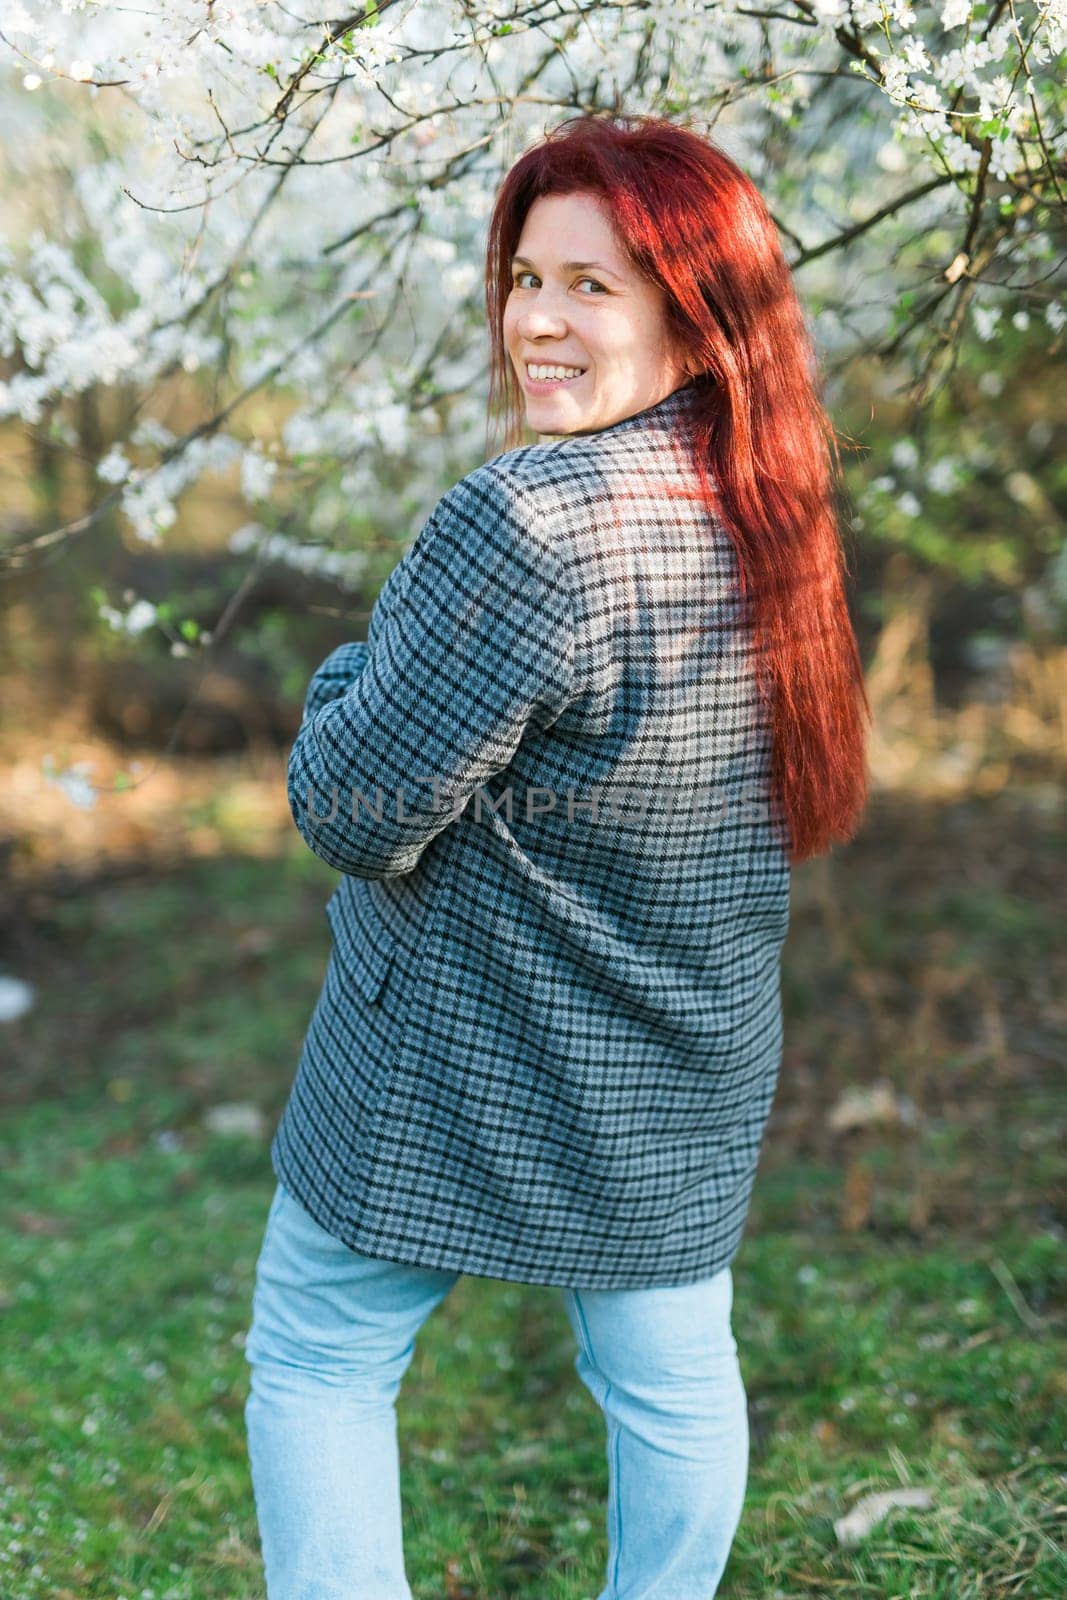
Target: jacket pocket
x,y
364,945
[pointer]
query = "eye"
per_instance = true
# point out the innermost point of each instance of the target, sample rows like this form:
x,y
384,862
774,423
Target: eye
x,y
526,273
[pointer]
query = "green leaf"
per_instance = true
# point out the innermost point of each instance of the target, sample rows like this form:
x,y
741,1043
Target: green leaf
x,y
902,309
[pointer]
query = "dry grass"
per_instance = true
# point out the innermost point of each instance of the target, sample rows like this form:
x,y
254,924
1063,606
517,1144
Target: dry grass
x,y
1011,730
1012,726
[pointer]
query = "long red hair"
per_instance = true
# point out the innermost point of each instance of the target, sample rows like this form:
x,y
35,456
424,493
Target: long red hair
x,y
691,221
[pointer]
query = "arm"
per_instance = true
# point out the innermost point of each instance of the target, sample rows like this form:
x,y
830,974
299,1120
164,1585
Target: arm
x,y
343,665
473,644
334,676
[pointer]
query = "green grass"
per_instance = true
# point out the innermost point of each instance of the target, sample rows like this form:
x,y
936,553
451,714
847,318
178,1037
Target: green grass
x,y
891,1355
126,1286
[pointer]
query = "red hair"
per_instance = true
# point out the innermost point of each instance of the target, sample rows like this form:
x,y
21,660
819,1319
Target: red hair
x,y
688,219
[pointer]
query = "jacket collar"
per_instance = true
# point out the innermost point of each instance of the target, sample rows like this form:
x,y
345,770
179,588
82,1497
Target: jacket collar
x,y
664,414
664,417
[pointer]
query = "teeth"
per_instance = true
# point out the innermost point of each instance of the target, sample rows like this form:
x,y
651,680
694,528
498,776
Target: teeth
x,y
541,374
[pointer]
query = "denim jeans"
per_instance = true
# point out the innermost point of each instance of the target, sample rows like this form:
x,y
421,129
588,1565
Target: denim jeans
x,y
332,1334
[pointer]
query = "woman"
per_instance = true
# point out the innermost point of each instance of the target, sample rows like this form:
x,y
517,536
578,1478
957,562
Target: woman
x,y
606,699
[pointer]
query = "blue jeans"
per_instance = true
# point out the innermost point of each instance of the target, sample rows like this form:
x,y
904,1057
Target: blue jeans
x,y
333,1333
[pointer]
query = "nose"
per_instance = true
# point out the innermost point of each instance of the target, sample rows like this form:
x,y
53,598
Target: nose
x,y
538,319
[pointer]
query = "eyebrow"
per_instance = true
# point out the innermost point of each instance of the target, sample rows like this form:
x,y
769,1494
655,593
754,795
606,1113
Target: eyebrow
x,y
570,266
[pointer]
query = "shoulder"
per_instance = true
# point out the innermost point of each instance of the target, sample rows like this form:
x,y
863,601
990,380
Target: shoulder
x,y
508,501
542,467
494,520
538,488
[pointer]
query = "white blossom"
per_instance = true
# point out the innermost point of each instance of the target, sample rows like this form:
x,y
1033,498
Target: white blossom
x,y
149,431
955,14
151,244
943,475
140,615
985,320
344,567
17,20
114,467
16,998
257,475
72,781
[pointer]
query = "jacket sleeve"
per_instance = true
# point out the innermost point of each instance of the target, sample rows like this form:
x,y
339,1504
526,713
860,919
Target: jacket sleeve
x,y
471,643
343,665
334,676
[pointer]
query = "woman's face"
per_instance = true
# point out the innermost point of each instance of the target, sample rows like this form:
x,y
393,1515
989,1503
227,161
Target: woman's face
x,y
576,301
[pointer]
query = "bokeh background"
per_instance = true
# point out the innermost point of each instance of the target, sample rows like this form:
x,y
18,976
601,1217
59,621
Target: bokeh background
x,y
242,353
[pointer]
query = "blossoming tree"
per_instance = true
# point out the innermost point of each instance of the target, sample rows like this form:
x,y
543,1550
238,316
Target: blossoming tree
x,y
279,199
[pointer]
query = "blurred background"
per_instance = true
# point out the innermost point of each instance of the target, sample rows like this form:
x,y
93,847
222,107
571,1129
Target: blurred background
x,y
242,354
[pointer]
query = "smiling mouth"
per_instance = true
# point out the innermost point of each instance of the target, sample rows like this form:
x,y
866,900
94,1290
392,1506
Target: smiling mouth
x,y
553,378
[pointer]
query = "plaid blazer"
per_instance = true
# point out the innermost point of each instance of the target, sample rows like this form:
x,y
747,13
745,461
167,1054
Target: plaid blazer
x,y
549,1031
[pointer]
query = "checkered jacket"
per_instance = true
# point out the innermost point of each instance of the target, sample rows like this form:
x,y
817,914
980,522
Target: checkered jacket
x,y
549,1032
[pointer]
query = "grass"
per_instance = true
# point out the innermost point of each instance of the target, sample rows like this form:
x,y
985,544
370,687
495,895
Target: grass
x,y
910,1336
